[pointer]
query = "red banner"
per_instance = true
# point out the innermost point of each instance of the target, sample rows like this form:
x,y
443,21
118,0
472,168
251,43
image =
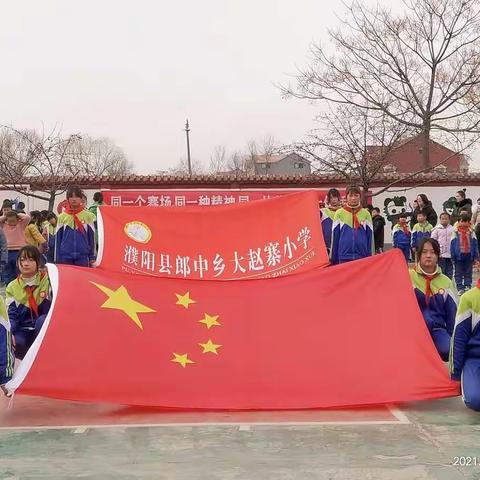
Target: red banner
x,y
267,238
311,340
200,198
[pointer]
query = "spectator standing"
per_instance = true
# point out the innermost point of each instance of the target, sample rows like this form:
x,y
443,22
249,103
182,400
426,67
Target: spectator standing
x,y
461,204
50,232
443,233
424,205
464,250
33,235
13,225
422,229
352,235
378,230
402,237
326,215
98,201
75,237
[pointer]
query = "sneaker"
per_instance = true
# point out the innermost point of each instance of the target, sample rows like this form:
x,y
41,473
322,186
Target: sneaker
x,y
461,292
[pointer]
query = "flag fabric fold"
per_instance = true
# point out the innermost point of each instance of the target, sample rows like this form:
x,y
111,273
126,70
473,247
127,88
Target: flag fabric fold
x,y
322,338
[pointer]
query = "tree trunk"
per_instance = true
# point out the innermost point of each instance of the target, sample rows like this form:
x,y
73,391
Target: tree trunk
x,y
51,201
426,145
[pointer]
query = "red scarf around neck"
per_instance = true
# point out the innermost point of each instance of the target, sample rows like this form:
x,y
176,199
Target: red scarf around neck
x,y
428,283
354,212
464,238
78,222
32,303
404,227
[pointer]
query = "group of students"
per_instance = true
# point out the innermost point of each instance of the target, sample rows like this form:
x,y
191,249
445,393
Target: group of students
x,y
28,293
459,248
349,235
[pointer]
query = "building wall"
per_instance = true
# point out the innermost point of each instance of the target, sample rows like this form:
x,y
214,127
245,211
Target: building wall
x,y
408,157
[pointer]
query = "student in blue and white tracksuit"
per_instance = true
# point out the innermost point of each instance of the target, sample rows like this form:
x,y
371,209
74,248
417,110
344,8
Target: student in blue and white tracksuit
x,y
7,358
435,295
465,348
352,236
327,215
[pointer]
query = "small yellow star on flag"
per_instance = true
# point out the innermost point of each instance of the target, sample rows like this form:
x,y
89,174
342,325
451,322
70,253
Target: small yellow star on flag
x,y
120,299
184,300
210,320
183,360
210,347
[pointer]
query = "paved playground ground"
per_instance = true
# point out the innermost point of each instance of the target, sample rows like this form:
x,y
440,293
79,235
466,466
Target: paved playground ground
x,y
50,439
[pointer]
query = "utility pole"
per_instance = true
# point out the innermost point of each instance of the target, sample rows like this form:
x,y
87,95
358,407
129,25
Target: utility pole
x,y
187,130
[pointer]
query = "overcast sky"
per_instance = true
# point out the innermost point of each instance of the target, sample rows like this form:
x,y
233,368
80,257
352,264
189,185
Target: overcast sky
x,y
134,71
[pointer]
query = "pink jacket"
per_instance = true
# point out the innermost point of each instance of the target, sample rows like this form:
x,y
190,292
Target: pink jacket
x,y
443,235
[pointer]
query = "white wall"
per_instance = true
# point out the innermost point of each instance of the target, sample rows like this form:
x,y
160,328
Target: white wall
x,y
437,195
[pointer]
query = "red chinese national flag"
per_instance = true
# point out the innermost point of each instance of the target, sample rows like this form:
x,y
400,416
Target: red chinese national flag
x,y
324,338
266,238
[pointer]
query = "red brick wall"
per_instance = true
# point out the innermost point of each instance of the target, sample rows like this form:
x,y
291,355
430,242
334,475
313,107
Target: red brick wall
x,y
408,157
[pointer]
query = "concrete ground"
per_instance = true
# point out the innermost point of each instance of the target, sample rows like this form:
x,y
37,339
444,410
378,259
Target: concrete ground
x,y
415,441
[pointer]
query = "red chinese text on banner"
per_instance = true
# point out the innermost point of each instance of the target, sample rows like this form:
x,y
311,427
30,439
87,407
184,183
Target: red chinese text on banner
x,y
267,238
189,198
304,341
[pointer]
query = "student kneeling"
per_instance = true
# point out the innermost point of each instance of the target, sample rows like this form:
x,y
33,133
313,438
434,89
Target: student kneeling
x,y
465,354
435,297
28,299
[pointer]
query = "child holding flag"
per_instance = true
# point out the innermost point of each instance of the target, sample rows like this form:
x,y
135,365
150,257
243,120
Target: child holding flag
x,y
75,237
464,251
7,358
402,236
352,235
327,214
465,351
28,299
435,297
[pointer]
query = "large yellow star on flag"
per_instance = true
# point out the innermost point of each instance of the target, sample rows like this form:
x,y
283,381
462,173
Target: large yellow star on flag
x,y
184,300
183,360
210,320
120,299
210,347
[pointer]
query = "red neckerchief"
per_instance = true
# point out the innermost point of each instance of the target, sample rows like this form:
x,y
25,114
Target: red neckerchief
x,y
478,283
404,227
428,283
354,212
464,238
30,290
78,222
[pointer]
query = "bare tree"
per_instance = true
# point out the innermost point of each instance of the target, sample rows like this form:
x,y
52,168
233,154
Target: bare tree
x,y
95,157
181,168
52,161
218,159
421,67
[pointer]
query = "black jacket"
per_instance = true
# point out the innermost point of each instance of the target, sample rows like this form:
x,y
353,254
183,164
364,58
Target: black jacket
x,y
429,212
378,231
465,204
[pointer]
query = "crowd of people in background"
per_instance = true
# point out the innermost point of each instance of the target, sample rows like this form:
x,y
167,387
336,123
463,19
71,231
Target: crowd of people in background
x,y
440,248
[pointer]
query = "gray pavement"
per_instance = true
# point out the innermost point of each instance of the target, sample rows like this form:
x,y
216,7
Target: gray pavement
x,y
424,449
